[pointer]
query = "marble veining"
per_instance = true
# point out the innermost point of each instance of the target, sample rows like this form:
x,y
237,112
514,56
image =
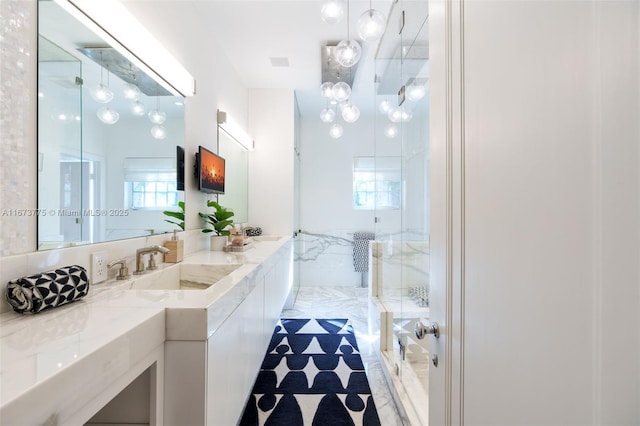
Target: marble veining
x,y
316,245
326,259
66,340
398,266
333,302
49,356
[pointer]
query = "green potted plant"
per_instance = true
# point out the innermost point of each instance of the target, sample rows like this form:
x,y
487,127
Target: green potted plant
x,y
176,215
220,220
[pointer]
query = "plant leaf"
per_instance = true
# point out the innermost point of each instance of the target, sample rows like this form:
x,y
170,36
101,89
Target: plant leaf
x,y
177,215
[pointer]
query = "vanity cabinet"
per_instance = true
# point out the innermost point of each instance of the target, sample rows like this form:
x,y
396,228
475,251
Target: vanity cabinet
x,y
208,382
234,355
277,286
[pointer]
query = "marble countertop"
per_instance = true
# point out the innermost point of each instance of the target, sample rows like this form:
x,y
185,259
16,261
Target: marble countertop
x,y
52,350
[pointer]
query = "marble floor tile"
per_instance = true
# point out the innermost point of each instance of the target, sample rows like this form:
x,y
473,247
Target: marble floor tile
x,y
351,303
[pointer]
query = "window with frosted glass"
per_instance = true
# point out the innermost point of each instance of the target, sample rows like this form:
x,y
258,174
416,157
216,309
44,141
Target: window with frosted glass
x,y
377,183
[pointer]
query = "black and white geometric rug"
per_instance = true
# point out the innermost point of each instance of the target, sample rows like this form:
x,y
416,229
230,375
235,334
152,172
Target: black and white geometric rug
x,y
312,375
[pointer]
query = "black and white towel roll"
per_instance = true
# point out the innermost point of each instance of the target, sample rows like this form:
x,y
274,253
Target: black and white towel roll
x,y
35,293
361,250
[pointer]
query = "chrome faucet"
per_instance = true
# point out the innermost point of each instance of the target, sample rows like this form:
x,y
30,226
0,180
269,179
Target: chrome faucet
x,y
151,250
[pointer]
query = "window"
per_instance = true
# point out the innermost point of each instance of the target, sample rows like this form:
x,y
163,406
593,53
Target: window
x,y
150,183
145,195
377,183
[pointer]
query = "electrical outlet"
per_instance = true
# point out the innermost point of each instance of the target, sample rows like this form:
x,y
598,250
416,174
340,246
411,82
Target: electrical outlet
x,y
98,267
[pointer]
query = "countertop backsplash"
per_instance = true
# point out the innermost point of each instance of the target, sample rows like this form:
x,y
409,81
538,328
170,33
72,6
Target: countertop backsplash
x,y
12,267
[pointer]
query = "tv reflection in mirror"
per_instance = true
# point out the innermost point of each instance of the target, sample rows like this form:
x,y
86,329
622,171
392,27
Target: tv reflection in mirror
x,y
211,171
179,168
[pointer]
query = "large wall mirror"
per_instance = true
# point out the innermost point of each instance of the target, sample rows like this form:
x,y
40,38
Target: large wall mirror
x,y
108,139
237,174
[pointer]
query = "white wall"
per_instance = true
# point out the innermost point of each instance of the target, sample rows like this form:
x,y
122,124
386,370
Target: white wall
x,y
271,167
326,175
539,159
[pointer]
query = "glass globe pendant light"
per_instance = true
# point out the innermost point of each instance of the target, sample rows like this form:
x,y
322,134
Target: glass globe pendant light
x,y
156,116
415,92
335,131
384,106
326,90
348,53
332,11
158,132
371,25
131,92
350,113
327,115
137,108
398,114
390,130
341,91
395,114
102,93
108,115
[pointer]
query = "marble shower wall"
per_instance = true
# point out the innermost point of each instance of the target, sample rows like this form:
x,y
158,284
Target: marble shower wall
x,y
326,259
396,266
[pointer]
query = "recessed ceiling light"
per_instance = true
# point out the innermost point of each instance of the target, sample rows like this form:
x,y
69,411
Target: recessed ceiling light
x,y
279,62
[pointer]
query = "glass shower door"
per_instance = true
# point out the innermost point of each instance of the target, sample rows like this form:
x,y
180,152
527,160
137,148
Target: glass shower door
x,y
61,170
415,208
402,228
389,197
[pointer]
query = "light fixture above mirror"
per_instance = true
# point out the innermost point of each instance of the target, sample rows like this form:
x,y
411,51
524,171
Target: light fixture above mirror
x,y
113,23
234,130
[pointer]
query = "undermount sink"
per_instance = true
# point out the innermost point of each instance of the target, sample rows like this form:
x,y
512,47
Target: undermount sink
x,y
183,277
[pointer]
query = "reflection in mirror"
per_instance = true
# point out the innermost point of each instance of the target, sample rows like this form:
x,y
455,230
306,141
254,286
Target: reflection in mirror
x,y
237,171
107,138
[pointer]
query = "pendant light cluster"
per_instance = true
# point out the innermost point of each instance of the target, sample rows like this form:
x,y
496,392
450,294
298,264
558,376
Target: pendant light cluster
x,y
415,90
347,53
104,95
157,117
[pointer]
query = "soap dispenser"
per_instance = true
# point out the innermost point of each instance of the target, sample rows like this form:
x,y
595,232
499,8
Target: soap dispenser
x,y
176,247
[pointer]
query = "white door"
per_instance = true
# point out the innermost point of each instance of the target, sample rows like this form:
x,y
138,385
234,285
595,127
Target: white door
x,y
535,235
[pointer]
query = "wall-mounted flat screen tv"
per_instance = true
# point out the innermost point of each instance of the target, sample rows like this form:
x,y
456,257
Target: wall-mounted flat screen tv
x,y
211,171
179,168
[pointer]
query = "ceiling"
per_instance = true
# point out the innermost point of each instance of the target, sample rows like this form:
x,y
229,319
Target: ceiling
x,y
252,33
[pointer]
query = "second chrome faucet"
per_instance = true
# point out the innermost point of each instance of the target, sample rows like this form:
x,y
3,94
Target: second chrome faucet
x,y
151,251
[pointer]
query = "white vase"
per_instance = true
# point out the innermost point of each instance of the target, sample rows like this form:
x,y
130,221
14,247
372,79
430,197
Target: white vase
x,y
218,242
